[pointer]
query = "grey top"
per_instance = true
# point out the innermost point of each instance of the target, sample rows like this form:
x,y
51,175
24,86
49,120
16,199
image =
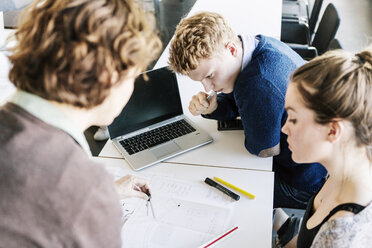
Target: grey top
x,y
350,231
52,193
50,114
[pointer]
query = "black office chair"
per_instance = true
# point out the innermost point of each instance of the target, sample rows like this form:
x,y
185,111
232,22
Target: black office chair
x,y
325,33
293,9
299,30
334,44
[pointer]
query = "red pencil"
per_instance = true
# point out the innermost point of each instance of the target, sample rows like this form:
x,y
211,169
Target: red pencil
x,y
220,237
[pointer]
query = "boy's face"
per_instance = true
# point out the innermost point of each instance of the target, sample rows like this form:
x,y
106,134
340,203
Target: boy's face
x,y
117,99
219,72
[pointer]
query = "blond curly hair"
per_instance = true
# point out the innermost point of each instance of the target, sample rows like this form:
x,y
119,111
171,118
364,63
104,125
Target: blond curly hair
x,y
198,37
68,50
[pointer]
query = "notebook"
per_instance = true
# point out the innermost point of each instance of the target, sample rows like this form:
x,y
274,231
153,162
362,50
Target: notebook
x,y
152,126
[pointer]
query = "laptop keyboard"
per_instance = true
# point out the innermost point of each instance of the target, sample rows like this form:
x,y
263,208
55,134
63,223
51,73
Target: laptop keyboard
x,y
156,136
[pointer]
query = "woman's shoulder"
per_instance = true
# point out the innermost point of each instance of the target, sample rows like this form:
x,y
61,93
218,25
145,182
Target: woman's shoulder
x,y
347,231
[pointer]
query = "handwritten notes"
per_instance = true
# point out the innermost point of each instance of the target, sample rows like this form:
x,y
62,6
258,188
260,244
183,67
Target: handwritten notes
x,y
187,214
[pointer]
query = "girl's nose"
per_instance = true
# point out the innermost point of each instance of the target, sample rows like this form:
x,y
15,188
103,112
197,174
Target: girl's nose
x,y
284,128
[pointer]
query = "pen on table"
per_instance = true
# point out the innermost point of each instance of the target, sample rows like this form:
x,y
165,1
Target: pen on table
x,y
149,201
147,192
222,188
211,95
234,187
220,237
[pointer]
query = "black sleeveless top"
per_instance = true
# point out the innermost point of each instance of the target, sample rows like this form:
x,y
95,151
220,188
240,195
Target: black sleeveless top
x,y
306,236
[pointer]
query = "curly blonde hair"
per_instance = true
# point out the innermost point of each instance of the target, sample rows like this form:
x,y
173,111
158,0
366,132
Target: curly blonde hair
x,y
338,84
198,37
68,50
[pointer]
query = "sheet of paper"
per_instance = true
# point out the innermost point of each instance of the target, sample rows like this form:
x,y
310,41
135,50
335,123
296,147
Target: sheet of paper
x,y
188,214
178,223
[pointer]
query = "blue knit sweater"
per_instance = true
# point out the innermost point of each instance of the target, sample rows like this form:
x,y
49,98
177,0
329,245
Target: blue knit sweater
x,y
258,98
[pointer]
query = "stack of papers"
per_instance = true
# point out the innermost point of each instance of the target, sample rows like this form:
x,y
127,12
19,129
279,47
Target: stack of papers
x,y
188,214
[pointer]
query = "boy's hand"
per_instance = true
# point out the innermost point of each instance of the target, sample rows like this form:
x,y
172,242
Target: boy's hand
x,y
200,105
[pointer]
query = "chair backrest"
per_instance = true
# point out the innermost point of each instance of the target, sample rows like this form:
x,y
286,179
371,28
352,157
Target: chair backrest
x,y
315,15
327,29
334,44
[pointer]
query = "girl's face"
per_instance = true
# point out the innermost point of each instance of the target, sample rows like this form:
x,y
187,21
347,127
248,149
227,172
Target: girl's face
x,y
307,139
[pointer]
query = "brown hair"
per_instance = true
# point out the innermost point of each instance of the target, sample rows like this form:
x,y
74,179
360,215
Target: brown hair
x,y
197,37
338,84
68,50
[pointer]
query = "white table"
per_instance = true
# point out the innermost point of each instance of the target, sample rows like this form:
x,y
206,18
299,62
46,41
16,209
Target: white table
x,y
226,156
253,217
227,150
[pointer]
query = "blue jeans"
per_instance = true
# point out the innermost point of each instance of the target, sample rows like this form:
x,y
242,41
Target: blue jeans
x,y
286,196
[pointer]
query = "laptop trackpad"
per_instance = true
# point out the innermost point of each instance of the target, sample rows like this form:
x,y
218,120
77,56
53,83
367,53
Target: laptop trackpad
x,y
164,150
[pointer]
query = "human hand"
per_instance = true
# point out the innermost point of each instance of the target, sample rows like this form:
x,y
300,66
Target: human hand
x,y
132,186
200,105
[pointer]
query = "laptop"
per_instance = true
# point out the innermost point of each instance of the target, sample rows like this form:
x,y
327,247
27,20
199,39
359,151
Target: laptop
x,y
152,126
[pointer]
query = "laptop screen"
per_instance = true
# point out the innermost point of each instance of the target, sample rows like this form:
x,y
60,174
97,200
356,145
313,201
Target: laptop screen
x,y
152,101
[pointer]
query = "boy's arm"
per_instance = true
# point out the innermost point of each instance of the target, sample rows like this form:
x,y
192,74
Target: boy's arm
x,y
226,109
270,152
261,109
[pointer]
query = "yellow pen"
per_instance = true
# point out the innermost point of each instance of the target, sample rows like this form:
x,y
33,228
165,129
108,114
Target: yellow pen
x,y
234,187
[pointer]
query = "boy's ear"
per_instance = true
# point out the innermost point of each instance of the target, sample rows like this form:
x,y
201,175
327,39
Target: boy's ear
x,y
232,47
335,129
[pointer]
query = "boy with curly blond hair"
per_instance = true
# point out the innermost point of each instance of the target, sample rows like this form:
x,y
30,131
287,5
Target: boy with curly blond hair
x,y
250,75
74,66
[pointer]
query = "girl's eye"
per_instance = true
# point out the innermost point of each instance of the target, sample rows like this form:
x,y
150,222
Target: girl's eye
x,y
293,121
210,76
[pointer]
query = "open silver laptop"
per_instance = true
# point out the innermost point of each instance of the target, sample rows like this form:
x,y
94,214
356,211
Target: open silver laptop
x,y
152,126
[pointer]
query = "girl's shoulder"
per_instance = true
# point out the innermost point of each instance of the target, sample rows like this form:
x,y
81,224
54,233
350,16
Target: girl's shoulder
x,y
353,230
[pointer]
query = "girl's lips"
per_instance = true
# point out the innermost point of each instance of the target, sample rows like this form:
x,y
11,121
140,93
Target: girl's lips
x,y
289,147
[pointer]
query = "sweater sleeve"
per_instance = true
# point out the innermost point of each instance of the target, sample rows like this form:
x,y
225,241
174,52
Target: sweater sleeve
x,y
261,109
226,109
